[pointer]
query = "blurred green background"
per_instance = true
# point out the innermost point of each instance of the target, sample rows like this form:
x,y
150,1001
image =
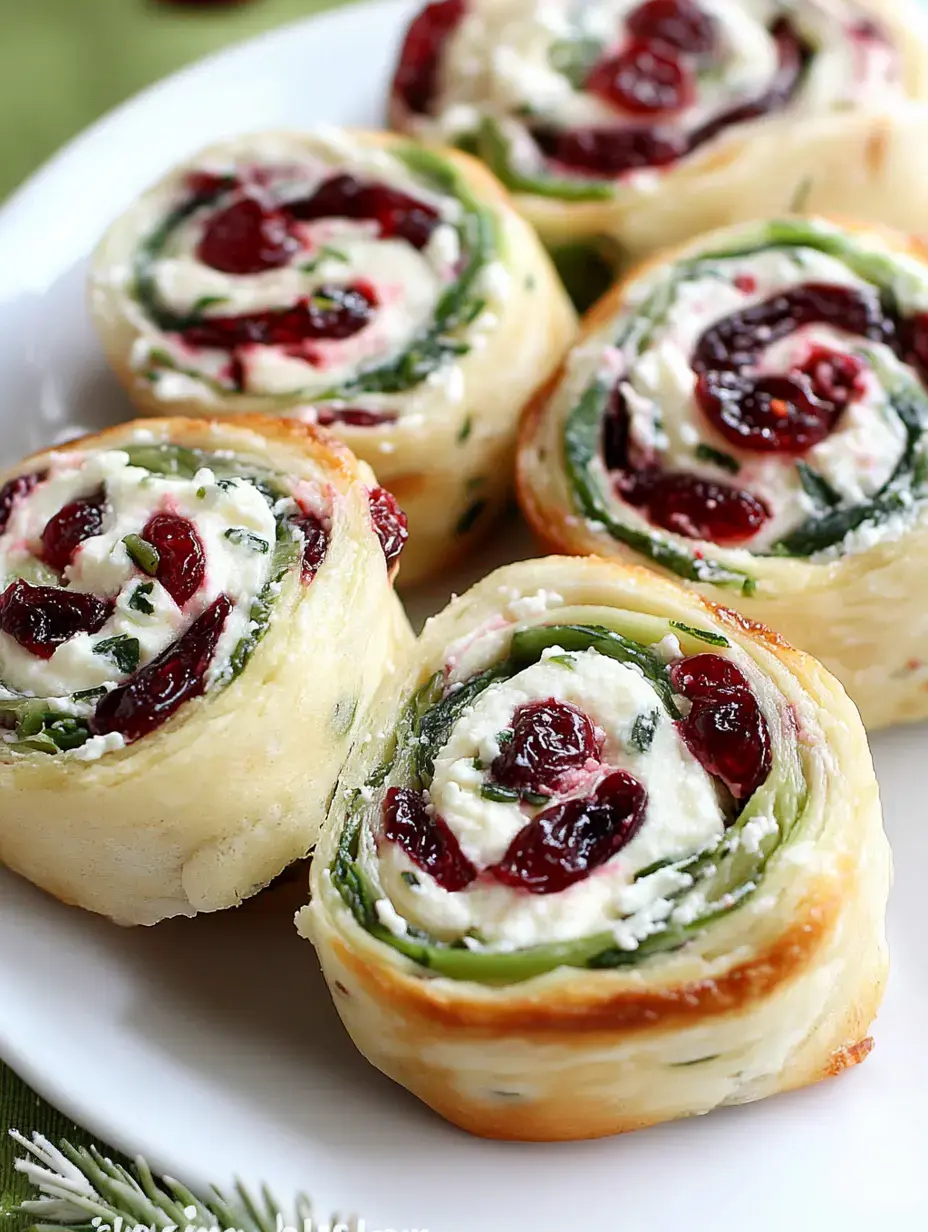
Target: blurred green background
x,y
63,63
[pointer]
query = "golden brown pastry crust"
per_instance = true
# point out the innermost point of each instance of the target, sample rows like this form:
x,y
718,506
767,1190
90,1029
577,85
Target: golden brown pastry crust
x,y
777,994
214,804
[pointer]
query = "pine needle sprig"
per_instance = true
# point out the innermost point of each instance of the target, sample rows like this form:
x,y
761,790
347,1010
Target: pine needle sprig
x,y
80,1189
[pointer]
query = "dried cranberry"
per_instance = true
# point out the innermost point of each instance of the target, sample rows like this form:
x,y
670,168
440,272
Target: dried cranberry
x,y
330,313
766,414
834,376
246,238
161,687
565,843
397,214
678,23
725,729
354,417
182,560
42,618
643,79
389,522
679,502
67,530
704,509
416,78
914,344
611,151
548,739
426,839
315,543
14,490
784,414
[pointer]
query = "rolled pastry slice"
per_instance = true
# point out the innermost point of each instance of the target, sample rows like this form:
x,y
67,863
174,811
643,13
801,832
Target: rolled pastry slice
x,y
749,414
349,279
611,856
648,121
193,618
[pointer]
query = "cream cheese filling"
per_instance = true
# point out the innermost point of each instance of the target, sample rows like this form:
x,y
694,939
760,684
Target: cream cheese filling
x,y
101,565
683,815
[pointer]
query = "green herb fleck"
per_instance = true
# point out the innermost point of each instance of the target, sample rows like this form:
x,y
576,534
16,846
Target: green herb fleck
x,y
207,301
245,539
470,516
716,457
125,652
535,798
88,695
816,487
502,795
143,554
326,253
701,635
565,660
410,878
643,730
466,429
139,600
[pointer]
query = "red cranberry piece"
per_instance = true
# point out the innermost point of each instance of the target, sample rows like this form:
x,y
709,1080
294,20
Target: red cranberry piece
x,y
548,739
161,687
42,618
643,79
725,729
397,214
330,313
246,238
914,344
768,414
416,79
67,530
678,23
209,183
14,490
834,376
611,151
389,523
182,560
354,417
427,839
704,509
565,843
315,543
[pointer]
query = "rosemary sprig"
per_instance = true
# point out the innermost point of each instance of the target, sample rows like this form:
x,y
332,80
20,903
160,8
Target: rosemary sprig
x,y
79,1188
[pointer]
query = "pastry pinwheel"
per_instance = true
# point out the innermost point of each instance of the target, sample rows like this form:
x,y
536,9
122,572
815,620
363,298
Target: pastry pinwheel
x,y
609,855
193,617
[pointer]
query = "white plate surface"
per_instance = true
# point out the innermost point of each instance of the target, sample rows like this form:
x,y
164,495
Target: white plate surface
x,y
211,1045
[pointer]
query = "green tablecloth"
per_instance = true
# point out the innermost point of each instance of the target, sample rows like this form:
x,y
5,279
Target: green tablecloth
x,y
63,63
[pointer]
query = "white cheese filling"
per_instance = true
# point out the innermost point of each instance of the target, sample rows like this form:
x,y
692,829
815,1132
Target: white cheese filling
x,y
683,814
856,458
503,60
101,565
406,283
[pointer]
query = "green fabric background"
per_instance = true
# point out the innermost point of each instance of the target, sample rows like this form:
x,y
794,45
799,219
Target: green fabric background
x,y
63,63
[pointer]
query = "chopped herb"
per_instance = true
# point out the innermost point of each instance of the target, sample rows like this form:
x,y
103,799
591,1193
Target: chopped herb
x,y
207,301
816,487
125,651
226,485
87,695
535,798
410,878
470,516
244,538
474,312
143,554
326,253
478,764
565,660
701,635
716,457
644,729
495,791
139,600
504,737
466,429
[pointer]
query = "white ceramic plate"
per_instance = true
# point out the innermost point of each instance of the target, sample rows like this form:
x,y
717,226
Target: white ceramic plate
x,y
211,1045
